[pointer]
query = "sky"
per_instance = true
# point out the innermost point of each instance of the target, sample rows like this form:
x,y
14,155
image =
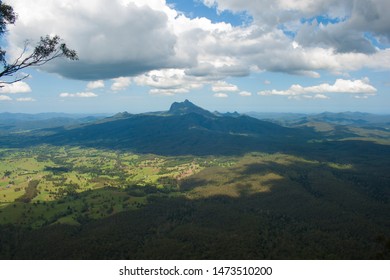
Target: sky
x,y
306,56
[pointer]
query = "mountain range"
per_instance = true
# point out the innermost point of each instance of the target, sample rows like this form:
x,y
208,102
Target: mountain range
x,y
187,129
184,129
188,183
17,122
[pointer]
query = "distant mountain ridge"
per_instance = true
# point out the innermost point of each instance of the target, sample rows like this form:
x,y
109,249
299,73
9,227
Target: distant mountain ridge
x,y
46,116
343,118
12,122
350,118
187,129
186,107
184,129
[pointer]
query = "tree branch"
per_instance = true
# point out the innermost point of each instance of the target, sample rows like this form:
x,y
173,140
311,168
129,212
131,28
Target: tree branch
x,y
48,49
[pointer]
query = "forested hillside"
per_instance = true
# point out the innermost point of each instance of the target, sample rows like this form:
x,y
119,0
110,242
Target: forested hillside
x,y
190,184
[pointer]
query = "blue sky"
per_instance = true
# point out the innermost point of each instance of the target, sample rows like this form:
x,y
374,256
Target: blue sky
x,y
225,55
197,8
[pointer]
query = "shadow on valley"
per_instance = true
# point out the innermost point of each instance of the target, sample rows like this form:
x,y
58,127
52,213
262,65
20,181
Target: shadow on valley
x,y
166,139
273,208
282,193
187,129
170,136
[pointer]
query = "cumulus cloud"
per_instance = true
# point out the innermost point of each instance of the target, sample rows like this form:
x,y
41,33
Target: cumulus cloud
x,y
123,38
25,99
273,12
340,86
79,95
317,96
341,25
169,81
5,98
95,85
320,96
222,86
120,83
221,95
337,36
245,93
18,87
287,37
151,41
361,96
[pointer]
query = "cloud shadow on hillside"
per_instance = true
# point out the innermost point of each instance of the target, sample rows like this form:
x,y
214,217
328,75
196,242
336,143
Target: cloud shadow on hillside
x,y
287,222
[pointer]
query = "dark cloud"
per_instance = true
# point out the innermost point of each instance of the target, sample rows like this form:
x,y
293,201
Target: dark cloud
x,y
111,40
351,21
334,36
132,38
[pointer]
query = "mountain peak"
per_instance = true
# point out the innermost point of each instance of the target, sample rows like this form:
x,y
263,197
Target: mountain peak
x,y
186,107
122,115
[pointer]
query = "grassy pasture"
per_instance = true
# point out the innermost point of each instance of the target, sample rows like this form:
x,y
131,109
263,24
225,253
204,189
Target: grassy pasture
x,y
79,183
280,200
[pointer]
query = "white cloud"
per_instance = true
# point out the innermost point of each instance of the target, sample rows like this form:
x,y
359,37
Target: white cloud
x,y
340,86
150,40
266,82
317,96
169,81
361,97
79,94
339,46
120,83
245,93
18,87
167,92
272,12
221,95
320,96
95,85
25,99
224,87
123,38
350,20
5,98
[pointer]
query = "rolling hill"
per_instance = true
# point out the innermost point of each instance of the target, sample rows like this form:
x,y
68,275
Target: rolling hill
x,y
187,183
184,129
16,122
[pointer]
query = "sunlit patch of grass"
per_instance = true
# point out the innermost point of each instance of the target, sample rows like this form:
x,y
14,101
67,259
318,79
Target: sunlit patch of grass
x,y
340,166
93,184
379,141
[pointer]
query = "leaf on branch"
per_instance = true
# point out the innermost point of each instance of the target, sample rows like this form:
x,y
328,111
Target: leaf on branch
x,y
7,16
47,49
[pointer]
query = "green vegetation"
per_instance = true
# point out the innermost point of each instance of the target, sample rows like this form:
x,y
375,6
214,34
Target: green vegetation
x,y
109,204
188,184
66,184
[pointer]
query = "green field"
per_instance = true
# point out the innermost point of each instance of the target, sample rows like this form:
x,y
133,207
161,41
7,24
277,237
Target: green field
x,y
75,184
111,204
191,184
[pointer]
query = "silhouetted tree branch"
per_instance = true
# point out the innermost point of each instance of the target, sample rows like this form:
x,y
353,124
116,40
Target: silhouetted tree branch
x,y
47,49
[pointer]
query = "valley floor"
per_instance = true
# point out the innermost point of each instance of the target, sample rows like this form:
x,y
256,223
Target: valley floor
x,y
85,203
